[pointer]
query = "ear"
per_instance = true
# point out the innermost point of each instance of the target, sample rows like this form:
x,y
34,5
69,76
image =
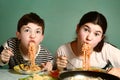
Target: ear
x,y
77,29
18,35
103,36
42,37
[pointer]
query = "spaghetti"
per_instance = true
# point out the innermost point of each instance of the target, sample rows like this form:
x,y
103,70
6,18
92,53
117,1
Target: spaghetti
x,y
31,54
86,49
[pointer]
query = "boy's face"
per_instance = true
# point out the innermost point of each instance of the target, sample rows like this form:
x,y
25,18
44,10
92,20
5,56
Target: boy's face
x,y
30,32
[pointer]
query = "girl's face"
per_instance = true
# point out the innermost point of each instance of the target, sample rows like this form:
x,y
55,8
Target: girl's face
x,y
89,33
30,32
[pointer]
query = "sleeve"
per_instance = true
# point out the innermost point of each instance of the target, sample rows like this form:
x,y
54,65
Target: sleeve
x,y
113,55
57,53
1,48
62,50
50,57
48,53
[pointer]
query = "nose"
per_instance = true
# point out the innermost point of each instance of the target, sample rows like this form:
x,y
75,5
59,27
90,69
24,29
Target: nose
x,y
89,37
32,35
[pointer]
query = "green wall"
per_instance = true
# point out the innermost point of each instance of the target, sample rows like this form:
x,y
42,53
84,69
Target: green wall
x,y
61,18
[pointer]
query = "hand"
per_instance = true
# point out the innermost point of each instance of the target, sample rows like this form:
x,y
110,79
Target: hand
x,y
5,55
61,62
47,66
115,71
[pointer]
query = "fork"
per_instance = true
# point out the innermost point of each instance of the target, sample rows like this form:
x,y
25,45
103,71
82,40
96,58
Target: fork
x,y
62,54
108,67
27,63
71,64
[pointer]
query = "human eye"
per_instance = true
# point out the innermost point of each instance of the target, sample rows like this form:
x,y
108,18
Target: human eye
x,y
85,29
97,34
26,30
38,31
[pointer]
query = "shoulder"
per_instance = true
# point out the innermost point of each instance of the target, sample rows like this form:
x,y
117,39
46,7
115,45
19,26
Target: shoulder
x,y
64,46
111,52
64,49
10,41
44,49
110,47
13,39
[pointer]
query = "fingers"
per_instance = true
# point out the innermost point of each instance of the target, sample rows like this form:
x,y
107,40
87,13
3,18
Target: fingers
x,y
61,62
8,51
47,66
6,54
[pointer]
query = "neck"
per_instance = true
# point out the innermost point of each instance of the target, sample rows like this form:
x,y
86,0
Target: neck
x,y
77,49
23,50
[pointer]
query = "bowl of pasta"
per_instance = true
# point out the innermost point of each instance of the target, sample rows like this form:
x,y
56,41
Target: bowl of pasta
x,y
95,69
86,75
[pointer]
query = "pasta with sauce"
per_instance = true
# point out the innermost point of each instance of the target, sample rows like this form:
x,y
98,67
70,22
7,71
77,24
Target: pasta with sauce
x,y
31,54
86,49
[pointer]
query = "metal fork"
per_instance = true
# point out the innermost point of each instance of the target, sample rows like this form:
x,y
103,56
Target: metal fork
x,y
108,67
27,63
71,64
62,54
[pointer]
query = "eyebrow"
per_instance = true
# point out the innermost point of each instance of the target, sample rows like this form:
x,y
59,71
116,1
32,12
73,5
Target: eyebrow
x,y
26,26
99,32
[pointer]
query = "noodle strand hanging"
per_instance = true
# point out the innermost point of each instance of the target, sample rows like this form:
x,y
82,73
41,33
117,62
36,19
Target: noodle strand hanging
x,y
86,49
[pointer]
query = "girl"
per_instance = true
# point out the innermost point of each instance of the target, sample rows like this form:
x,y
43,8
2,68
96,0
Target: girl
x,y
90,30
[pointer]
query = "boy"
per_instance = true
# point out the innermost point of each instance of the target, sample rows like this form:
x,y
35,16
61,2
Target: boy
x,y
30,28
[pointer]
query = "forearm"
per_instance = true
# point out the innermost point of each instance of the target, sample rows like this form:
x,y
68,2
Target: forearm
x,y
115,71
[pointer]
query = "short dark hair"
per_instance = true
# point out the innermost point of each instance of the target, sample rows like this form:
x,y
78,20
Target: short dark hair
x,y
30,18
95,18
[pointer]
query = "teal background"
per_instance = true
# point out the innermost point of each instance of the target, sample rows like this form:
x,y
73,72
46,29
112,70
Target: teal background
x,y
61,18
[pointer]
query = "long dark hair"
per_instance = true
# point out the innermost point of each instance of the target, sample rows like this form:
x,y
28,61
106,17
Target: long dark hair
x,y
95,18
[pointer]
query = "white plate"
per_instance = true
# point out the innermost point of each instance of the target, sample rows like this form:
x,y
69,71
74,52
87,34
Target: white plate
x,y
19,70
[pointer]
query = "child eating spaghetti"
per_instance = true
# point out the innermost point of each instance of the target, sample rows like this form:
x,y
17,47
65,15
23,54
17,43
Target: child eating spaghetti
x,y
90,30
16,50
